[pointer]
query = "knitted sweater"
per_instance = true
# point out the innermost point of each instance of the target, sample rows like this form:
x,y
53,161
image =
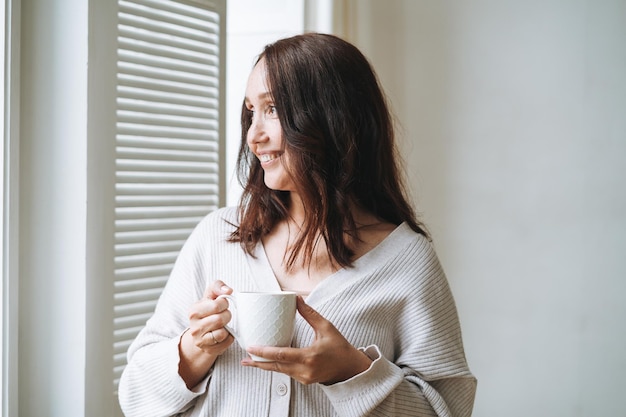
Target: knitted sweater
x,y
395,304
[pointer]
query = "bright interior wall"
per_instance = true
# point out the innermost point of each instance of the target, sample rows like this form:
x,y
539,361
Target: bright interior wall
x,y
515,138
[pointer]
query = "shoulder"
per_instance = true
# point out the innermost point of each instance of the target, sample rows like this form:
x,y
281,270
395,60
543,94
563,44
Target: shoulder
x,y
225,217
216,225
226,213
421,255
409,260
408,246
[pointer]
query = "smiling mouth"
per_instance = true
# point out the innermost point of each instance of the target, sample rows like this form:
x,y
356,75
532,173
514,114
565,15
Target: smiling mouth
x,y
268,157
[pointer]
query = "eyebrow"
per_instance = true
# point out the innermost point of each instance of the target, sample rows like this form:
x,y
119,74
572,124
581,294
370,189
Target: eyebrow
x,y
262,96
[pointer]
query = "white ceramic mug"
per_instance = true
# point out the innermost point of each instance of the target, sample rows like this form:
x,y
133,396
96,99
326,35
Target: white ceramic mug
x,y
262,318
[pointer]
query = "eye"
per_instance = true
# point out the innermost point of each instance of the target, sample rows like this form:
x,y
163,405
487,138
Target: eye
x,y
272,112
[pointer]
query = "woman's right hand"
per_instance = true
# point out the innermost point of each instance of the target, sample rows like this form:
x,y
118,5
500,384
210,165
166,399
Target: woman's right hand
x,y
206,337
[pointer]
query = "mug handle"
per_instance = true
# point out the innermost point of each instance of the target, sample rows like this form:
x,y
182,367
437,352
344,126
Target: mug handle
x,y
231,303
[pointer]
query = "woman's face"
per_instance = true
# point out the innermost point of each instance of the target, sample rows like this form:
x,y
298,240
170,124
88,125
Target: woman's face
x,y
265,136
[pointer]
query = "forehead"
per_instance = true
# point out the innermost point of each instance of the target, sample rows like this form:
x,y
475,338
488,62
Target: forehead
x,y
257,82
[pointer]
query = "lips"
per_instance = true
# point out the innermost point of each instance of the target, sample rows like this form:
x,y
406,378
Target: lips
x,y
268,157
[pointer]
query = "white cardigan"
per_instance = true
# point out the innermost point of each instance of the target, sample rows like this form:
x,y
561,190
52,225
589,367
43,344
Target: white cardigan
x,y
395,303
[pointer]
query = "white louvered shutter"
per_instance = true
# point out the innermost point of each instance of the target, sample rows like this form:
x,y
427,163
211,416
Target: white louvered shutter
x,y
169,142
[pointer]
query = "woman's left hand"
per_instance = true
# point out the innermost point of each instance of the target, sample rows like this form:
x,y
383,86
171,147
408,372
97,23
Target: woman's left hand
x,y
330,359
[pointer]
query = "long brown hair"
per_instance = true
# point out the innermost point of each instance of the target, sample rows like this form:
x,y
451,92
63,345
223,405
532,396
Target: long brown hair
x,y
339,135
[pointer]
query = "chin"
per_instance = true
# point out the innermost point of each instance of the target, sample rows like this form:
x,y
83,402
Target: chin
x,y
278,186
278,180
275,187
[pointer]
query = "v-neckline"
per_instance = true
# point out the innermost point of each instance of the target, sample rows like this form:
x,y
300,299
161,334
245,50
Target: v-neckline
x,y
265,279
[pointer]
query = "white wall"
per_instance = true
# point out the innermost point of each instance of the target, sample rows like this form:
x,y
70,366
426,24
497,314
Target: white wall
x,y
515,130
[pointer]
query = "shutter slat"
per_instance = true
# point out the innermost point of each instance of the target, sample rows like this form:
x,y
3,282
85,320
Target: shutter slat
x,y
166,98
205,14
172,63
166,143
140,106
120,349
162,177
133,321
176,166
119,359
160,201
126,17
175,53
132,261
157,13
150,236
163,131
150,295
129,70
130,32
128,333
128,152
142,272
204,122
161,212
204,92
142,120
163,190
124,286
152,224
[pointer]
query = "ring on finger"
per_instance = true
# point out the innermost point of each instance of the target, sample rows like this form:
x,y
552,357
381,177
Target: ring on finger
x,y
215,342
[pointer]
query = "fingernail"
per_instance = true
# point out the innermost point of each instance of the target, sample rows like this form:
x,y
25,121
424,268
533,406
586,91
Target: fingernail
x,y
225,288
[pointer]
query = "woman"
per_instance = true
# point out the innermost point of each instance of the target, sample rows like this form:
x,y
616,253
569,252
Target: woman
x,y
323,213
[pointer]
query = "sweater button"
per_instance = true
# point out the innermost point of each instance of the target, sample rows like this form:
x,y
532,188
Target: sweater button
x,y
281,389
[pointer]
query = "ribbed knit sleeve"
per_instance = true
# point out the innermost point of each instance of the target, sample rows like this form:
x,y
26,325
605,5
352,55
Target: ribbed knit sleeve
x,y
150,384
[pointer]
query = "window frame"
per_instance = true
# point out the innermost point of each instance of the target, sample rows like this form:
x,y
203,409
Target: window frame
x,y
10,208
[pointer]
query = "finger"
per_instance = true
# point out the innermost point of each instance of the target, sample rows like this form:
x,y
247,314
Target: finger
x,y
205,308
277,354
216,339
201,322
309,314
215,289
285,361
217,336
268,366
222,335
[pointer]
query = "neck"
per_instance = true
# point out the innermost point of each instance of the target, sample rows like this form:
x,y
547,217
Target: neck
x,y
362,218
296,209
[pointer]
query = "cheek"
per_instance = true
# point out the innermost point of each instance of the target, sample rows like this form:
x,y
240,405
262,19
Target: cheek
x,y
274,130
286,162
248,138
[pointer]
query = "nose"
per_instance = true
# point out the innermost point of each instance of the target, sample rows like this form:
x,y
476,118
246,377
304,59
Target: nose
x,y
256,132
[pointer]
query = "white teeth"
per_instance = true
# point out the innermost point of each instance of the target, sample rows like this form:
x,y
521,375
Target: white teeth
x,y
267,157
